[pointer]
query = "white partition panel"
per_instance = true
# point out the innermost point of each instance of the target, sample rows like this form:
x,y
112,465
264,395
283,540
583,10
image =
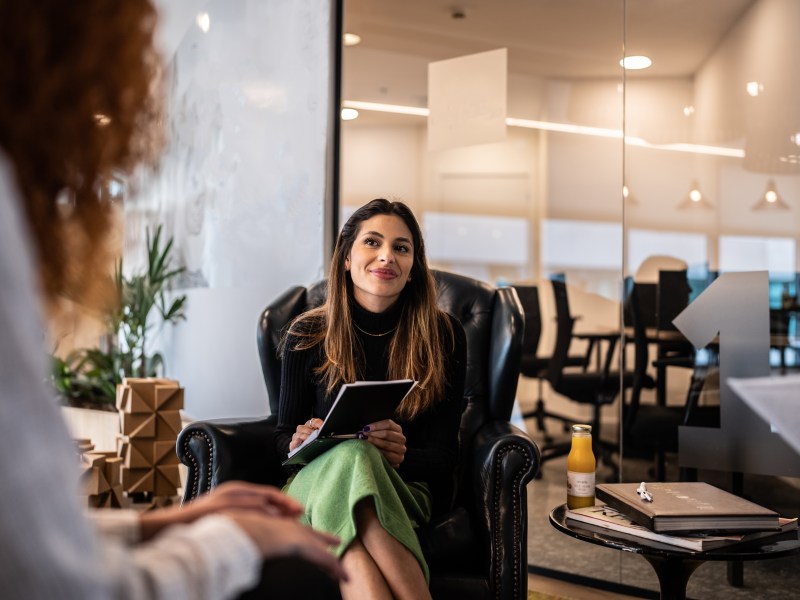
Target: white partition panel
x,y
242,186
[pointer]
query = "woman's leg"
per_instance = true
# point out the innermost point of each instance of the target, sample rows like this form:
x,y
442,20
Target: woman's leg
x,y
397,564
365,578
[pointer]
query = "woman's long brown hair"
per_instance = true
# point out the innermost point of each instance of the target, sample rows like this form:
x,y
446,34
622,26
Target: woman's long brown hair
x,y
416,347
77,108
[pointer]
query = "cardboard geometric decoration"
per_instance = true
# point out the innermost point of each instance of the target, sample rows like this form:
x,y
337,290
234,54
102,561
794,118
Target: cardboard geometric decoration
x,y
101,477
150,421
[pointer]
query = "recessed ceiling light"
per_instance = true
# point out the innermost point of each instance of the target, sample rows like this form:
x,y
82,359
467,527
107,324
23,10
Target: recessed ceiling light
x,y
754,88
351,39
204,22
348,114
635,62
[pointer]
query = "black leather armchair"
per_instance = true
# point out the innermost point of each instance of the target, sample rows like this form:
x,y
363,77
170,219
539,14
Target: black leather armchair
x,y
479,548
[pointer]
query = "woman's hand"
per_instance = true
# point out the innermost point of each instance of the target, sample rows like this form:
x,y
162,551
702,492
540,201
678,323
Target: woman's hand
x,y
264,513
229,496
387,436
303,431
277,537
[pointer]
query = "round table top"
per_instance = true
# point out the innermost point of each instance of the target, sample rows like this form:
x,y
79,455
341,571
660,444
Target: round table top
x,y
782,544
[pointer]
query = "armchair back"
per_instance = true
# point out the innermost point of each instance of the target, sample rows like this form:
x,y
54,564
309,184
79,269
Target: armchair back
x,y
493,322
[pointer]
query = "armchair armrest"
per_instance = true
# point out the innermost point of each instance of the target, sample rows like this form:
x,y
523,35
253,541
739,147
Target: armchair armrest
x,y
223,450
504,459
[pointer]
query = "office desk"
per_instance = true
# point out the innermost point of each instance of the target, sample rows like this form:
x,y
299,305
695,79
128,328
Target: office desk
x,y
674,566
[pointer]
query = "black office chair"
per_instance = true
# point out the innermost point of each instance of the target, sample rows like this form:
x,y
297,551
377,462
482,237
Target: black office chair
x,y
672,297
652,429
478,549
595,388
535,366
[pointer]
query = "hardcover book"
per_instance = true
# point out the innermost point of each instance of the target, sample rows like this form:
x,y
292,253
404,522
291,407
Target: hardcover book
x,y
605,517
356,405
687,506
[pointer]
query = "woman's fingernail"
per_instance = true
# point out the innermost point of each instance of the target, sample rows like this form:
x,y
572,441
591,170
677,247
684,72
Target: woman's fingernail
x,y
361,436
365,428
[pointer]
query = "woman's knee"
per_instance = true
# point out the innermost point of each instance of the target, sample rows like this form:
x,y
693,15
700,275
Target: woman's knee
x,y
358,450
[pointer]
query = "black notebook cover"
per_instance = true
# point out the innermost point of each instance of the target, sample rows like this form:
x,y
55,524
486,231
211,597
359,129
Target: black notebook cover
x,y
357,404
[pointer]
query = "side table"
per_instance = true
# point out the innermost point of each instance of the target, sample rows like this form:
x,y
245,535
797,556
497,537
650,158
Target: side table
x,y
674,566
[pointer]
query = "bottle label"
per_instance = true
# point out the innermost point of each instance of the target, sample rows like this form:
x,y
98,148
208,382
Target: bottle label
x,y
580,485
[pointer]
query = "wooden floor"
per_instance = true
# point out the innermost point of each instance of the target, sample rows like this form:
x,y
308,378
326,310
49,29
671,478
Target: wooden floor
x,y
570,591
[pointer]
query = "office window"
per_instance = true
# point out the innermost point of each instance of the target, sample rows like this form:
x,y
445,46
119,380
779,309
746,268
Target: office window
x,y
580,244
750,253
690,247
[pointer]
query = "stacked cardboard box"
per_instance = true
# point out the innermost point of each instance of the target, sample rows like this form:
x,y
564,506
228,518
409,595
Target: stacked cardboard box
x,y
102,476
149,422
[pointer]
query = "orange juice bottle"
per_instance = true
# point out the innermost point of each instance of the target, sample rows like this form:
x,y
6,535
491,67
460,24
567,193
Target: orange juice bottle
x,y
580,468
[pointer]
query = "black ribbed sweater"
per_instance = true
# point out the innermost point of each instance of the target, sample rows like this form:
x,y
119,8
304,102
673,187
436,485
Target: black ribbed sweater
x,y
431,438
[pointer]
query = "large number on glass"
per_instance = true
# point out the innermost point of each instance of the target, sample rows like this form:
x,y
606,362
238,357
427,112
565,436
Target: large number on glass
x,y
735,307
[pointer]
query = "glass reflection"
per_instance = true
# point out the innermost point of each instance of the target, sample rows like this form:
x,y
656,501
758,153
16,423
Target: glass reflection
x,y
719,106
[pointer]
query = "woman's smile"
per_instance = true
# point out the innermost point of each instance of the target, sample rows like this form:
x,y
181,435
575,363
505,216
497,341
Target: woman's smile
x,y
384,273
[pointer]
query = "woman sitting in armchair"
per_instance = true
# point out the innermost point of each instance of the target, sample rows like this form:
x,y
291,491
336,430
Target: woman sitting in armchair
x,y
380,321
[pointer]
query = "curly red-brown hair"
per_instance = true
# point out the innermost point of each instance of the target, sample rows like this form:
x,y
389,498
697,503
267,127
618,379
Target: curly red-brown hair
x,y
77,107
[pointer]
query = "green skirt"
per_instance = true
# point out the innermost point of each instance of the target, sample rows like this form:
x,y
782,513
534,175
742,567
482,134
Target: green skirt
x,y
331,485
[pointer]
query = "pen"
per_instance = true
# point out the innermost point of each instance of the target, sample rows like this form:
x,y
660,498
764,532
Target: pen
x,y
643,493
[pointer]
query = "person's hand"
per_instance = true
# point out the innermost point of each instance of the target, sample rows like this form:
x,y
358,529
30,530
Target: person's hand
x,y
303,431
231,495
278,537
240,495
387,436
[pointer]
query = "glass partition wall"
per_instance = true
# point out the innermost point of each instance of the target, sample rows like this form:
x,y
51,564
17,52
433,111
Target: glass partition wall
x,y
679,179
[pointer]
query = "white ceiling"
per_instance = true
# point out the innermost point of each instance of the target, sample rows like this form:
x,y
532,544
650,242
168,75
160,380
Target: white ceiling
x,y
546,39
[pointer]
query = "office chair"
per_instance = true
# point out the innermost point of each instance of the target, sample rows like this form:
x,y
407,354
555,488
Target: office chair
x,y
535,366
478,548
595,388
652,429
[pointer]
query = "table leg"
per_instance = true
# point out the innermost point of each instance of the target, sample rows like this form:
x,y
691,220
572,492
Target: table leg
x,y
673,575
661,385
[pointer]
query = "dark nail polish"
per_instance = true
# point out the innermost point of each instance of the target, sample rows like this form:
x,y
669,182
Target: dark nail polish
x,y
365,428
361,436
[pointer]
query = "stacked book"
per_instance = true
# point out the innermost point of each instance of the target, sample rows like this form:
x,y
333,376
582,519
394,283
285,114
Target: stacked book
x,y
690,515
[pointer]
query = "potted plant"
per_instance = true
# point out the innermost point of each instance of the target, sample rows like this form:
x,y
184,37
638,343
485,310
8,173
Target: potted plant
x,y
88,377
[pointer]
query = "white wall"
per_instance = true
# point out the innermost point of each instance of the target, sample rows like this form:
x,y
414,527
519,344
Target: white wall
x,y
381,161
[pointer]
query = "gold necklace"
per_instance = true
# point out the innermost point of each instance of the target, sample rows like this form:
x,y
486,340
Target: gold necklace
x,y
374,334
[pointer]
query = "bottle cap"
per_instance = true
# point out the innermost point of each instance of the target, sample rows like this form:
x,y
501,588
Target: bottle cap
x,y
581,428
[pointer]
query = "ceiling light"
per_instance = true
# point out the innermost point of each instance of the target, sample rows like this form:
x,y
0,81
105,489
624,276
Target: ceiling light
x,y
351,39
688,111
627,196
695,198
348,114
754,88
771,199
101,119
204,22
635,62
630,140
